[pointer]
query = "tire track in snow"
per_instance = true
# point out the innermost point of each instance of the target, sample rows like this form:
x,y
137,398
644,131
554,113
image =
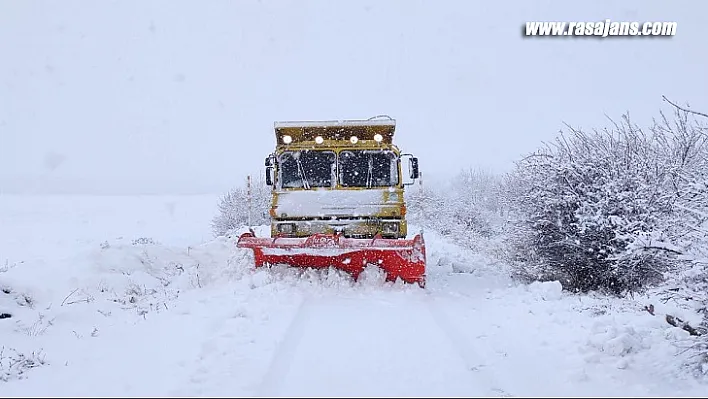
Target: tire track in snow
x,y
237,345
469,355
285,351
211,349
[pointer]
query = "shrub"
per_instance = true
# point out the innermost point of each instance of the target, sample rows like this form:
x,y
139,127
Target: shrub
x,y
597,210
233,208
465,208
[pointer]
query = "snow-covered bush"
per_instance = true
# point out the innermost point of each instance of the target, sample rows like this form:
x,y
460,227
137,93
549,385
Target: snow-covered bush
x,y
233,207
427,207
475,195
598,210
689,170
465,207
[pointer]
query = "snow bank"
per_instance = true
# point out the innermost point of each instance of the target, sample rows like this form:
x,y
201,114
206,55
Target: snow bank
x,y
547,291
627,334
72,267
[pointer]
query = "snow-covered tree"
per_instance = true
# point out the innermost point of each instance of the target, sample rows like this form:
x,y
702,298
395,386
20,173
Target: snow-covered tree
x,y
475,194
233,207
465,207
429,207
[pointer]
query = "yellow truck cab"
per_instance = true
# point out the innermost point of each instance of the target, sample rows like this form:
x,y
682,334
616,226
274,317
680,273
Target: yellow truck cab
x,y
343,177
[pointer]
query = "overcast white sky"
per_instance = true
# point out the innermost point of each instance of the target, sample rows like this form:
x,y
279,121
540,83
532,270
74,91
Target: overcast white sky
x,y
137,96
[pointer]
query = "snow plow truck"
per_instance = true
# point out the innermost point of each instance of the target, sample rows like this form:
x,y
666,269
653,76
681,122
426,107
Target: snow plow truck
x,y
338,200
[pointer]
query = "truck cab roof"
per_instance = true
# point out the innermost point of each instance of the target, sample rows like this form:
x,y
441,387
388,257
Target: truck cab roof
x,y
368,131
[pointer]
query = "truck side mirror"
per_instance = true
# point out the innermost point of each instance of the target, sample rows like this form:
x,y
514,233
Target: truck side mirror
x,y
269,176
269,170
413,168
413,172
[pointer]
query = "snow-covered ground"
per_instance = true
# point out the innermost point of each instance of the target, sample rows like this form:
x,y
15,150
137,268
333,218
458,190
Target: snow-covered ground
x,y
132,296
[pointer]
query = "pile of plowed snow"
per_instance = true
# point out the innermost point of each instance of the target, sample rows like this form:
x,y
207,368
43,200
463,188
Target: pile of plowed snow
x,y
117,283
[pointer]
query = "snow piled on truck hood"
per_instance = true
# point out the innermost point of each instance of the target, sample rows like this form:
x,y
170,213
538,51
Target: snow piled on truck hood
x,y
331,202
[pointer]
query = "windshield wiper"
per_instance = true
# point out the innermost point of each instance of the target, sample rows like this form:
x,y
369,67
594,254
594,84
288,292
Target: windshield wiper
x,y
303,176
370,172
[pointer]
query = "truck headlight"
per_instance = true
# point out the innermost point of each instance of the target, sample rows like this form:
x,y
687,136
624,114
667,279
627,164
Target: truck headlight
x,y
390,227
286,227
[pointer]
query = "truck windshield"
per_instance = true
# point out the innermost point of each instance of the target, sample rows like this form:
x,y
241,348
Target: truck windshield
x,y
368,168
306,169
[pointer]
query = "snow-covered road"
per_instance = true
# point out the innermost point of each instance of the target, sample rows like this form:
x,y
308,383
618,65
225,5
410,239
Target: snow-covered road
x,y
116,317
370,346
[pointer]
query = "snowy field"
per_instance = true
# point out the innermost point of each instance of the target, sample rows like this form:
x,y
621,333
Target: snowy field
x,y
132,296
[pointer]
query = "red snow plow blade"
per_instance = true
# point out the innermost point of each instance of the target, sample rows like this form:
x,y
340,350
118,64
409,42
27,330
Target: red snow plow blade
x,y
404,259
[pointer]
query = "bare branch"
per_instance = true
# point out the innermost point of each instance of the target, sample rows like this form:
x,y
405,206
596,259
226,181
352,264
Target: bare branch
x,y
68,296
664,249
684,109
676,322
